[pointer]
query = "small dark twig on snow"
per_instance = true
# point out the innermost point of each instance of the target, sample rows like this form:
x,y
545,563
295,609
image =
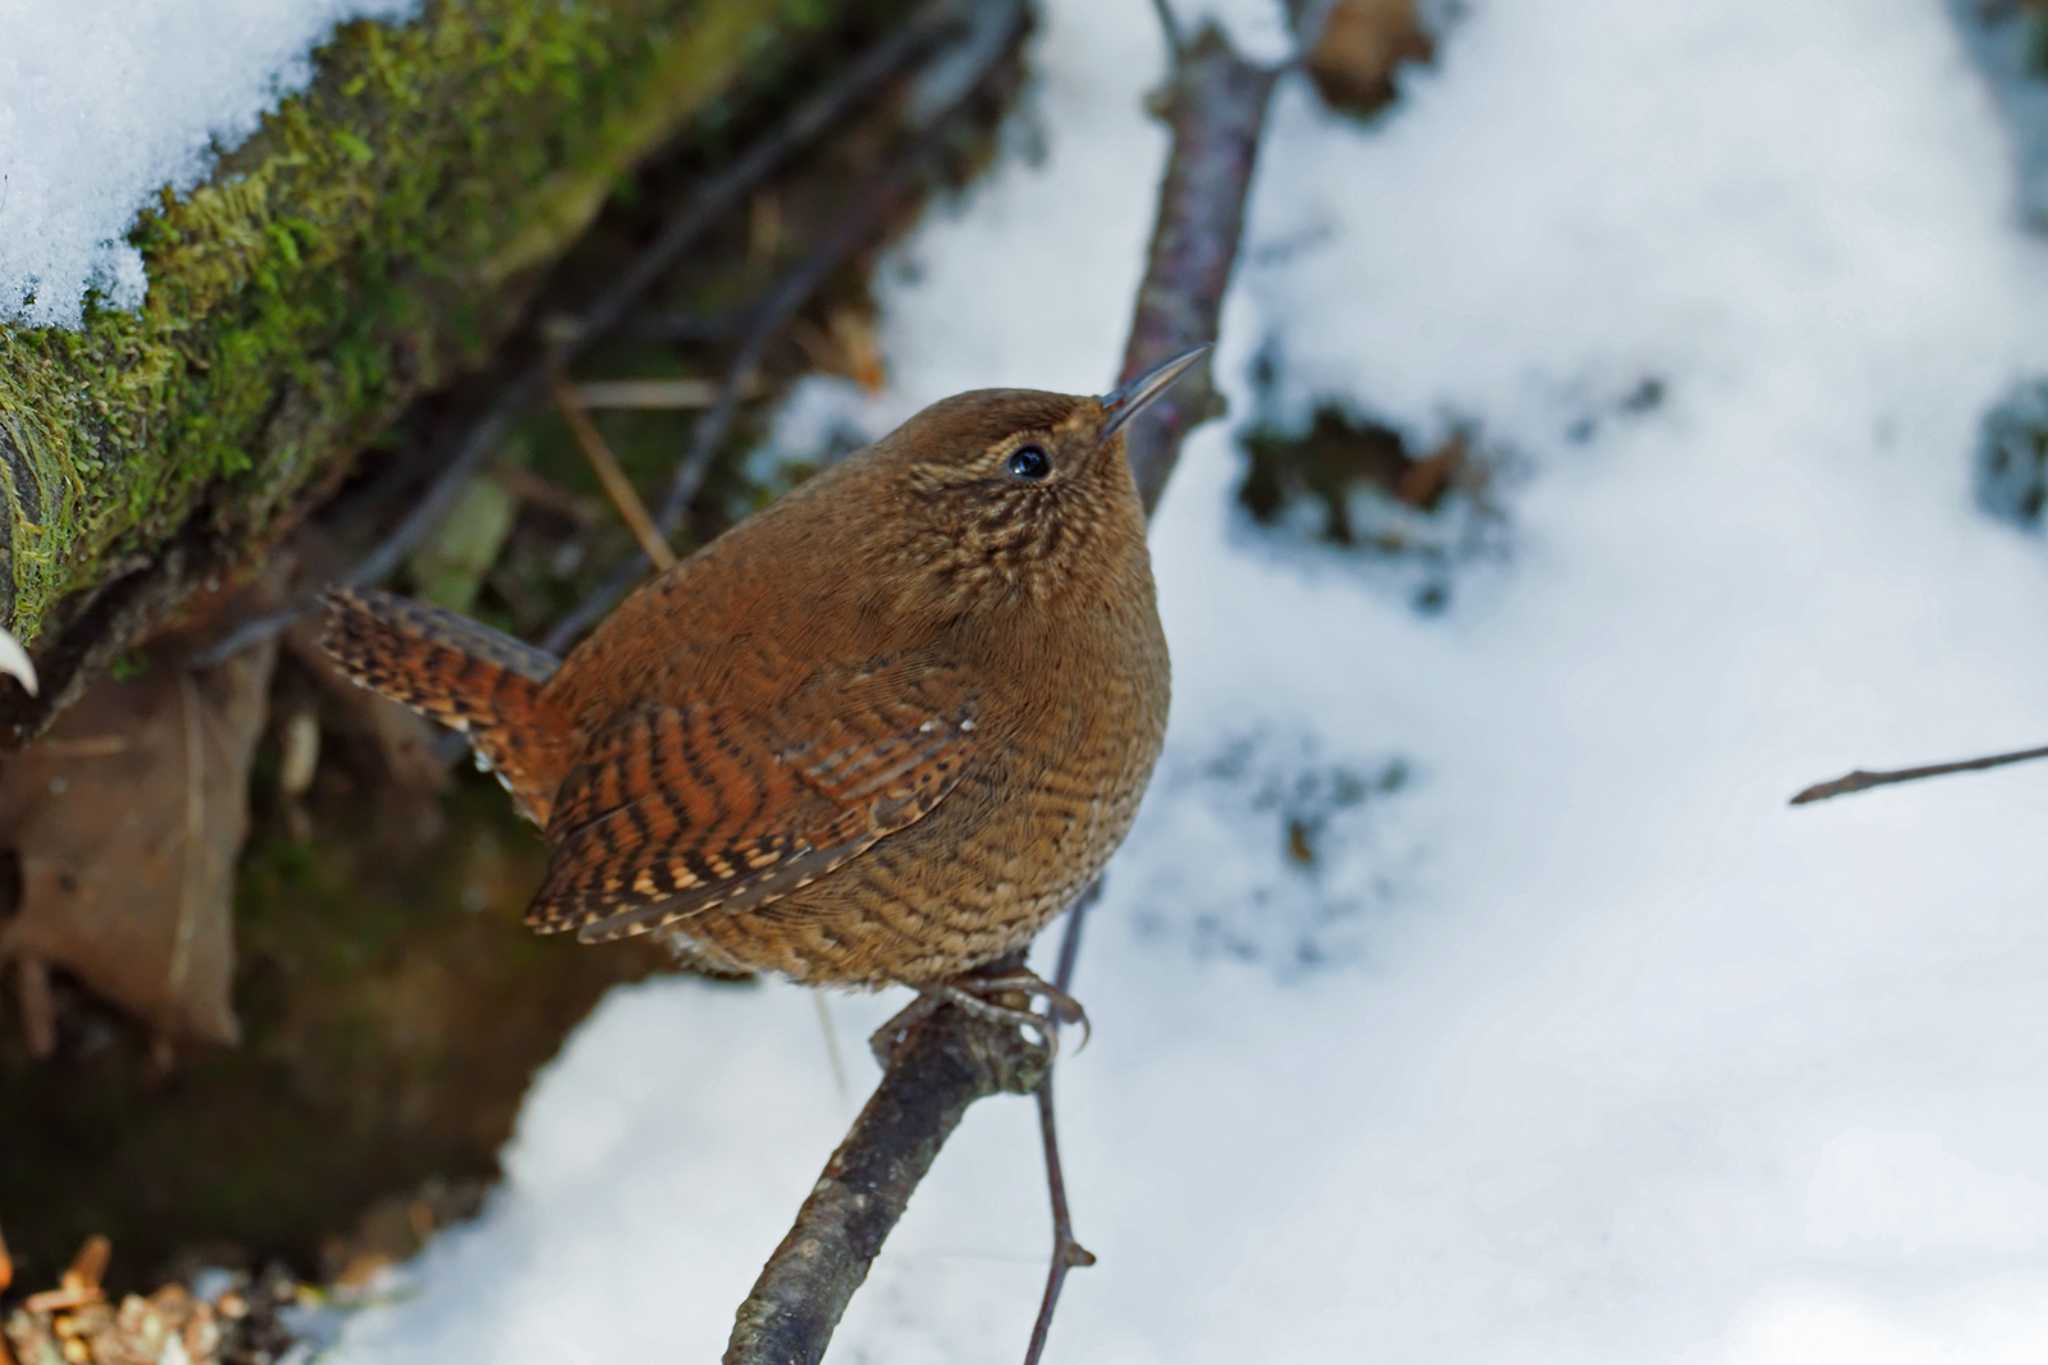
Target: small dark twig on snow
x,y
1861,780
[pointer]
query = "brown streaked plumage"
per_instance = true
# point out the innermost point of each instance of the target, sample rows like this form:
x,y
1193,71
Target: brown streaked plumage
x,y
880,732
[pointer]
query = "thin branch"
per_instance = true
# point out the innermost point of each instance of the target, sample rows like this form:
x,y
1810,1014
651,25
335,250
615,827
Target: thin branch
x,y
834,1059
805,1287
539,491
855,228
1067,1252
664,395
708,205
432,505
625,498
1216,113
1861,780
1217,110
1070,938
682,327
1169,27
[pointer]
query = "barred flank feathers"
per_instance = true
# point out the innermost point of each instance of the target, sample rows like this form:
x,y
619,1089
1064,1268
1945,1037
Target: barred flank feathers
x,y
461,674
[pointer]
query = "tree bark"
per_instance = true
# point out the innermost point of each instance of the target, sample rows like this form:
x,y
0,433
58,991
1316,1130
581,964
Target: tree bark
x,y
807,1283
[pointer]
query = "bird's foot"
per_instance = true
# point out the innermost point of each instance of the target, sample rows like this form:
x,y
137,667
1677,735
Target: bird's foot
x,y
981,995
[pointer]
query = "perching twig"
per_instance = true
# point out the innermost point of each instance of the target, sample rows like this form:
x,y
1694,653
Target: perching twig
x,y
1216,113
708,205
807,1283
1860,780
617,486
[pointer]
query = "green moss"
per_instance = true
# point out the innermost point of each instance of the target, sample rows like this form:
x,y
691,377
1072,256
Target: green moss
x,y
374,236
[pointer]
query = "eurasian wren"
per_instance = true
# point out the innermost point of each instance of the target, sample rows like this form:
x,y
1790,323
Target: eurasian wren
x,y
880,732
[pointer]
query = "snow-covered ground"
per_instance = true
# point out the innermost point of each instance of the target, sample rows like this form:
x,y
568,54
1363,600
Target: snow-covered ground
x,y
1576,1045
103,102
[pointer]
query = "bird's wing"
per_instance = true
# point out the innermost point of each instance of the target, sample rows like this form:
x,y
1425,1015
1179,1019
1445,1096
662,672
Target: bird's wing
x,y
676,811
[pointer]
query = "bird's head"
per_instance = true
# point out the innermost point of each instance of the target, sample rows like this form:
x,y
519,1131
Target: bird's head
x,y
1011,495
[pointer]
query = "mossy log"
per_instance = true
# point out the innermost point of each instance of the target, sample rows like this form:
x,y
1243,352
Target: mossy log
x,y
377,235
377,239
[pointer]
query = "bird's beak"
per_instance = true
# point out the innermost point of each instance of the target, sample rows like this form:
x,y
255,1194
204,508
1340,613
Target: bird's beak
x,y
1121,405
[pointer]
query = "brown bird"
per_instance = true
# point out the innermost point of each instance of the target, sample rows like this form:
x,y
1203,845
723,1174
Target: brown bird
x,y
878,733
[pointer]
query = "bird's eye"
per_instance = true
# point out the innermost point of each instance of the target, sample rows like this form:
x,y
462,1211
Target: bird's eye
x,y
1029,463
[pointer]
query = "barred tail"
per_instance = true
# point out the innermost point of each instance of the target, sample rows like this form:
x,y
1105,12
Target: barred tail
x,y
462,674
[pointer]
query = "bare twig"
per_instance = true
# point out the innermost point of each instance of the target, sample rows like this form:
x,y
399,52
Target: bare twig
x,y
617,486
528,487
647,395
833,1057
433,504
1067,1253
805,1287
857,226
708,205
773,314
1862,780
1169,26
684,327
1216,112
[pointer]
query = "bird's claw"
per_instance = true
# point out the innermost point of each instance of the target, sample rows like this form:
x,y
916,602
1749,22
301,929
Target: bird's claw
x,y
971,994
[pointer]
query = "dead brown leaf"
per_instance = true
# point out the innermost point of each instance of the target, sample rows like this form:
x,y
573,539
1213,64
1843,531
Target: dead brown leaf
x,y
88,1269
81,1283
1362,44
1424,483
127,820
847,345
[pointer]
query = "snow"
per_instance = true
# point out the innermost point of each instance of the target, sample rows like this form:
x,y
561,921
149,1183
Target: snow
x,y
1575,1045
102,103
